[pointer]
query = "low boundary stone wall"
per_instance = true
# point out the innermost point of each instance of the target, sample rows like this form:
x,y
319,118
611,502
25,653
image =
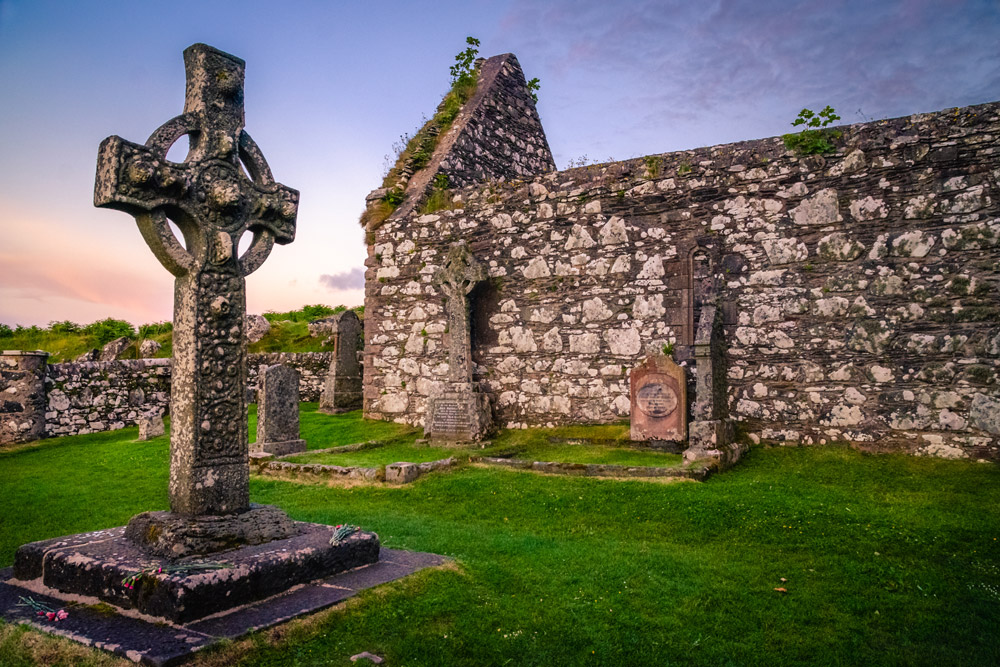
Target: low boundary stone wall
x,y
39,400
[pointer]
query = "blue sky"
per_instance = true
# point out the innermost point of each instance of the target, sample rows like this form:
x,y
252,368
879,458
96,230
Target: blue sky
x,y
331,85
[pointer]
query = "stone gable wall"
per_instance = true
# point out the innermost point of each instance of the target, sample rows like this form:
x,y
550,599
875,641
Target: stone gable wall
x,y
859,290
496,135
500,134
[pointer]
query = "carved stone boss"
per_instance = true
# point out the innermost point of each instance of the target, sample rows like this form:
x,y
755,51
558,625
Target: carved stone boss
x,y
214,203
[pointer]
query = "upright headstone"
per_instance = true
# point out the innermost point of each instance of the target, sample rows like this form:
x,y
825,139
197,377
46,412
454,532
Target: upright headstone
x,y
150,426
711,434
659,400
278,411
213,202
458,411
342,388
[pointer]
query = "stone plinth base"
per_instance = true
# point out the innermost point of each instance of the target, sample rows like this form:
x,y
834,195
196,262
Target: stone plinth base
x,y
95,564
340,394
158,644
279,448
459,414
713,440
171,535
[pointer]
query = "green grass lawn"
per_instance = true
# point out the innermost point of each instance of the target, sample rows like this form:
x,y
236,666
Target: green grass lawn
x,y
380,456
558,453
550,444
887,560
324,431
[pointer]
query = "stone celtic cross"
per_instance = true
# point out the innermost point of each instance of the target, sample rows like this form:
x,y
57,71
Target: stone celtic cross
x,y
213,202
456,279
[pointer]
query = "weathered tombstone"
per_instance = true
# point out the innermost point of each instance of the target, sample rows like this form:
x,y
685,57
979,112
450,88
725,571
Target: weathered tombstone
x,y
214,203
342,388
278,411
711,432
150,426
458,411
659,400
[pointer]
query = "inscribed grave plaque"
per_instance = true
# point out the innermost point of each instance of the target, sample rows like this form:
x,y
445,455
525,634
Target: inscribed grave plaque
x,y
659,400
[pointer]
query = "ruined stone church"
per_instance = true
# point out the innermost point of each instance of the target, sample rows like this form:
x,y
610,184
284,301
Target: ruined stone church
x,y
851,297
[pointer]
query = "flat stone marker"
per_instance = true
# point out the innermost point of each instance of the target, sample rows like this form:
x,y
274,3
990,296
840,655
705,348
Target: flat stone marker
x,y
214,203
659,400
459,411
342,388
278,412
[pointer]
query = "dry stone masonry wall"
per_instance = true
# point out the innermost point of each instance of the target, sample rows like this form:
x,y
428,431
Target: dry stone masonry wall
x,y
22,396
94,396
858,291
51,400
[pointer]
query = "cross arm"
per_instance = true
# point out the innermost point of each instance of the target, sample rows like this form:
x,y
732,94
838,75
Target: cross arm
x,y
275,209
134,179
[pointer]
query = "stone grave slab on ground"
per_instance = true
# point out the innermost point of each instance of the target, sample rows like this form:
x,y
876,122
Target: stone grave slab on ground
x,y
214,203
658,400
166,643
342,388
278,411
458,410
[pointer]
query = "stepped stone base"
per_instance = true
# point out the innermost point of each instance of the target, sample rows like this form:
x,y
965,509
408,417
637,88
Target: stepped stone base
x,y
460,414
172,535
340,394
279,448
95,565
714,440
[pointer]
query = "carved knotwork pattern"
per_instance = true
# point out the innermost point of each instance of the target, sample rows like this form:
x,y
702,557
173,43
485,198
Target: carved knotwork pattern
x,y
220,333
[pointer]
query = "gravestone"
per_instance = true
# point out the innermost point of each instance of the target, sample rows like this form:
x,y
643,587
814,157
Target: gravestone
x,y
458,411
150,426
659,400
278,411
214,203
341,390
711,434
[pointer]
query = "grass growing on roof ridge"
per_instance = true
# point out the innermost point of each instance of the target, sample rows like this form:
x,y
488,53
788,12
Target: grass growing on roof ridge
x,y
418,151
888,560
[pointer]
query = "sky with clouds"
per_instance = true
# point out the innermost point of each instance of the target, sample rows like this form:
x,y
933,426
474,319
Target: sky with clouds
x,y
331,85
